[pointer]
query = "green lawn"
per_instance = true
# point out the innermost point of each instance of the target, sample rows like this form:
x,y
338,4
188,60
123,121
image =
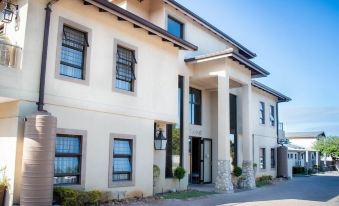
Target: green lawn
x,y
185,194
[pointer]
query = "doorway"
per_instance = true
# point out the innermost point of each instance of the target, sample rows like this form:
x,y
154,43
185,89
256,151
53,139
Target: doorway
x,y
201,160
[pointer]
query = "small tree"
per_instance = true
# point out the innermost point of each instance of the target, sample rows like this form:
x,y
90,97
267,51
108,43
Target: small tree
x,y
179,173
328,146
156,175
237,171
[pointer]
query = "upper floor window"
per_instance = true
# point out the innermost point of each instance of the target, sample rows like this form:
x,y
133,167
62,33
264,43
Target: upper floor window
x,y
175,27
262,113
262,158
195,106
73,53
125,69
272,115
67,163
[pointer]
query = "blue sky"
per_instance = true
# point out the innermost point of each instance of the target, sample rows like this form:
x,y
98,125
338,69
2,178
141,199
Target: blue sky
x,y
297,41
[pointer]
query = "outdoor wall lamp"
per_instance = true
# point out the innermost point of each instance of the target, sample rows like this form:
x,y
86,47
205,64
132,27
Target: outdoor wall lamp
x,y
8,12
160,141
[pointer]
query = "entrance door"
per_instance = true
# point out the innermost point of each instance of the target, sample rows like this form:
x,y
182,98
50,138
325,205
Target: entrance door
x,y
207,160
201,160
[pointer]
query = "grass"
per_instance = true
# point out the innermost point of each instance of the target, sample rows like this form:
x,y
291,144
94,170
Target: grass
x,y
185,194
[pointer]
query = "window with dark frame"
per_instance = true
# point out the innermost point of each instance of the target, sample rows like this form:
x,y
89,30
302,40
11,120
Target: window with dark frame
x,y
272,158
175,27
195,106
272,115
125,69
73,53
262,158
262,113
122,159
67,163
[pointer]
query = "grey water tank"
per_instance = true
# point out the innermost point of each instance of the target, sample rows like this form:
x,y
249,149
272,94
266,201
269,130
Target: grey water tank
x,y
282,166
38,160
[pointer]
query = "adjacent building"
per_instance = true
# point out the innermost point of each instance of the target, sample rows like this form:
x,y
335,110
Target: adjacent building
x,y
115,75
300,149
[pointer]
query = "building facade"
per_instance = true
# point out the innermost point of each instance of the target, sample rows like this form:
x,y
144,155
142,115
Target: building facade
x,y
116,74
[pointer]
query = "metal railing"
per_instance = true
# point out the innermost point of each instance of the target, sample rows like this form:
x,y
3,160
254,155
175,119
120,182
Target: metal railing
x,y
9,54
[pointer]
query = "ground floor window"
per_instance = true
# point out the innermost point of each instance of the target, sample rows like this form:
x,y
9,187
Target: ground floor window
x,y
262,159
67,163
122,158
272,158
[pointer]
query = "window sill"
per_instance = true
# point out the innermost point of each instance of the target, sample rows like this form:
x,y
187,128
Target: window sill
x,y
75,186
71,79
130,93
121,184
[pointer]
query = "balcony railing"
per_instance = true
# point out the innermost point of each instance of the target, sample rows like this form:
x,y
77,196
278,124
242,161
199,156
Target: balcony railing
x,y
9,54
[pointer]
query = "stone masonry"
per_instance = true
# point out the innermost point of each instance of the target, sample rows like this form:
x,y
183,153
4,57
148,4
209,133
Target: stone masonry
x,y
223,182
248,173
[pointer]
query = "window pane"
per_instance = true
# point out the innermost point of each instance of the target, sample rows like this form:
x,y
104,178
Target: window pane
x,y
125,69
66,165
67,144
121,177
66,180
175,27
121,164
73,47
195,106
122,147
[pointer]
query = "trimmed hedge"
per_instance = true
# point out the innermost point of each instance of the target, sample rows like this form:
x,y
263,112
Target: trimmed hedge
x,y
71,197
263,180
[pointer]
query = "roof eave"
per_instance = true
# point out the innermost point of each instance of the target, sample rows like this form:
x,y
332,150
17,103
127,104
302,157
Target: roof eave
x,y
142,23
281,97
249,54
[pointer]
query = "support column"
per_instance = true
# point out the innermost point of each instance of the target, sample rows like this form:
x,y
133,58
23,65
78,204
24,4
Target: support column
x,y
317,159
223,182
247,165
306,160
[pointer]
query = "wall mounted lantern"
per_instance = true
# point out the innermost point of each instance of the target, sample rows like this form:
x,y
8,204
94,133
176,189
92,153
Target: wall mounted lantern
x,y
8,12
160,141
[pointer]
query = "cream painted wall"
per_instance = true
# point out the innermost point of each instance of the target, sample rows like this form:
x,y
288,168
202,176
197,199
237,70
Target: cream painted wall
x,y
99,126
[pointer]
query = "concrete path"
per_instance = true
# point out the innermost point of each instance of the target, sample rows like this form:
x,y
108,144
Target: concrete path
x,y
314,190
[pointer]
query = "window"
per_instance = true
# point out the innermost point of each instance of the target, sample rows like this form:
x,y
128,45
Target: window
x,y
125,69
175,27
195,106
122,160
272,115
68,157
262,158
122,156
295,156
73,53
262,113
174,151
272,158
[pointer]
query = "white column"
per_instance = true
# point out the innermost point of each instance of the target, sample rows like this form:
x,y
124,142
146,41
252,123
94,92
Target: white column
x,y
223,118
247,165
223,182
317,158
306,160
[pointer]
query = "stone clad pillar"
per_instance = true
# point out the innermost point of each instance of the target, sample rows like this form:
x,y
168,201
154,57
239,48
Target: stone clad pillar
x,y
247,165
223,182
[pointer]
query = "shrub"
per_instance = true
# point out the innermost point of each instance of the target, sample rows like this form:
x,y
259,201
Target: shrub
x,y
4,180
179,173
156,171
263,180
71,197
137,194
237,171
298,170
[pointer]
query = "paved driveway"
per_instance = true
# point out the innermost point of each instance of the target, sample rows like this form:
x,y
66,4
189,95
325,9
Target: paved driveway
x,y
314,190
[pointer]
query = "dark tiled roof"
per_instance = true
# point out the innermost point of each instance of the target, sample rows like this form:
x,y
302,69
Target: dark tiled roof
x,y
281,97
316,134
